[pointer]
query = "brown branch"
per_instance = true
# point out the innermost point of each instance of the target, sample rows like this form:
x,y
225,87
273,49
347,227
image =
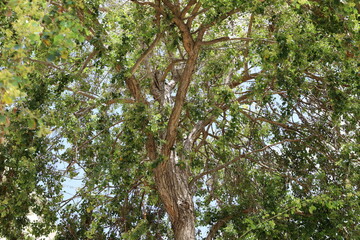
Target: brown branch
x,y
169,68
313,76
119,100
223,39
179,102
86,94
134,87
195,13
187,8
276,171
88,141
246,53
227,39
146,53
91,56
158,13
94,96
225,165
217,226
151,4
174,9
243,79
188,41
196,131
44,63
131,82
226,15
268,121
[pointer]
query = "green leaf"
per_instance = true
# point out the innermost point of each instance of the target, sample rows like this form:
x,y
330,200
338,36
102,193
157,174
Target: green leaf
x,y
31,123
312,208
2,119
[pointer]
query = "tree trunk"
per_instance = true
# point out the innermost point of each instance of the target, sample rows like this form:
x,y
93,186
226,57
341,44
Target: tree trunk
x,y
172,185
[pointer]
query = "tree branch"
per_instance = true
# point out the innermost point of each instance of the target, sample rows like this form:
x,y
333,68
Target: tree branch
x,y
91,56
131,82
98,134
217,226
195,13
196,131
44,63
94,96
187,8
157,7
179,102
276,171
227,39
146,53
243,79
226,15
86,94
169,68
246,53
225,165
268,121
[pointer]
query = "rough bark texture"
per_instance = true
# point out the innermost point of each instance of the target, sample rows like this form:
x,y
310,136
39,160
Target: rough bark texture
x,y
172,181
172,185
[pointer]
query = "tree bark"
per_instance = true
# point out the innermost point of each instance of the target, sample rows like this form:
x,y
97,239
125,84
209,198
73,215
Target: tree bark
x,y
172,185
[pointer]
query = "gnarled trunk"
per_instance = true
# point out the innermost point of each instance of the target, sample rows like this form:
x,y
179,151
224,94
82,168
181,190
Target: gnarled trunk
x,y
172,185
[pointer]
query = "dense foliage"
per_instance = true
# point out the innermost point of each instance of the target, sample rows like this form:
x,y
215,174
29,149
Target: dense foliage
x,y
180,119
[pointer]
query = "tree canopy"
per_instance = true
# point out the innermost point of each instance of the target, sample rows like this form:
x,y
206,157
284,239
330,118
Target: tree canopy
x,y
180,119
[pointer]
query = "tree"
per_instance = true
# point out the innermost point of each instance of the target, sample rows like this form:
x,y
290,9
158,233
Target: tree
x,y
240,117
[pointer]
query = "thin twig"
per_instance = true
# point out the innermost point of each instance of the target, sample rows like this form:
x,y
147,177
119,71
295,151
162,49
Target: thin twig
x,y
44,63
222,166
91,56
226,39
